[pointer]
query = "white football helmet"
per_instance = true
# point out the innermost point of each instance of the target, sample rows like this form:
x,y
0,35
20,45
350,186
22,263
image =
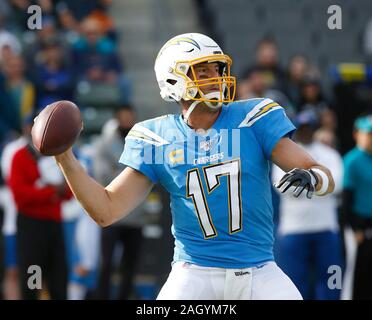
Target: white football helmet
x,y
175,64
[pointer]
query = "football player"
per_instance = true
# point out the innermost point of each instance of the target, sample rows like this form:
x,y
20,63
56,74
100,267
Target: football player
x,y
214,160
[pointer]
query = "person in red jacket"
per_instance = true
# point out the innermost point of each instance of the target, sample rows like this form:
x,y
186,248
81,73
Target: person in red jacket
x,y
38,189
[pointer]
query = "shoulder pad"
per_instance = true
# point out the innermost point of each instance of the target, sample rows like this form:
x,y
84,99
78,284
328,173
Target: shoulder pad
x,y
258,109
148,131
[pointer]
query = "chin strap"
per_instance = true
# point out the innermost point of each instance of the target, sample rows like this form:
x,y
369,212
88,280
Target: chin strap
x,y
210,95
189,110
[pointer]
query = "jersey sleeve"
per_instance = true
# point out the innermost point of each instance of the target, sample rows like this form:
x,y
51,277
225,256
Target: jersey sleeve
x,y
270,123
138,155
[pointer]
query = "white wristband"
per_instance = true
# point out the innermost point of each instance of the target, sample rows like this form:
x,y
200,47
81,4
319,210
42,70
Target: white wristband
x,y
325,181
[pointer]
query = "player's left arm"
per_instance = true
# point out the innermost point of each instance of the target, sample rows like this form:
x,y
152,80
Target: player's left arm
x,y
302,170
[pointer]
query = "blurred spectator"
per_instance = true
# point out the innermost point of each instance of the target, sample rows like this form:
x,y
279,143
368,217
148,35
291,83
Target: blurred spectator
x,y
19,14
36,40
127,231
11,281
38,189
54,80
6,53
327,137
309,241
267,62
313,99
328,120
46,6
357,204
97,62
20,92
95,54
70,26
100,14
253,85
311,94
78,9
71,12
8,44
48,31
297,68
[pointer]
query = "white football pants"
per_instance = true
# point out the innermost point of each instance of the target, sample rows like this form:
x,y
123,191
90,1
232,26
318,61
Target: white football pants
x,y
191,282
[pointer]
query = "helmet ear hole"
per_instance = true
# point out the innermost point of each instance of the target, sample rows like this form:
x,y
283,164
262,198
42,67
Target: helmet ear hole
x,y
172,81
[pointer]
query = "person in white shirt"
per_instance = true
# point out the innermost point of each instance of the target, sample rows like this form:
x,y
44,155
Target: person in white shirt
x,y
309,242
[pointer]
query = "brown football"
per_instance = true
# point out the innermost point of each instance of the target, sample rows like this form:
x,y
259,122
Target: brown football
x,y
56,128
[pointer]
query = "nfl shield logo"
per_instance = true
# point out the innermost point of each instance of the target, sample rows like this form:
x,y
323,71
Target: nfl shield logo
x,y
206,145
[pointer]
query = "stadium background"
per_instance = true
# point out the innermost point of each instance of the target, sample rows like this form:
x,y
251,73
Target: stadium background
x,y
135,31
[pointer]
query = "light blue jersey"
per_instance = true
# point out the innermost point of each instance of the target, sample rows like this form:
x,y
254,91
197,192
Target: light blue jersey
x,y
218,181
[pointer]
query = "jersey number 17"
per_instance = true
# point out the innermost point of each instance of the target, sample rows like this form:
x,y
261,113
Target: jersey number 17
x,y
212,174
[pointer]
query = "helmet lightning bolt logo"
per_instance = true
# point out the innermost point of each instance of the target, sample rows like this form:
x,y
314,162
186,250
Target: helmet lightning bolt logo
x,y
178,41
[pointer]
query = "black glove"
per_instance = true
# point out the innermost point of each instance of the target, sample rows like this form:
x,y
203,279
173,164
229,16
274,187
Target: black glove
x,y
300,178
